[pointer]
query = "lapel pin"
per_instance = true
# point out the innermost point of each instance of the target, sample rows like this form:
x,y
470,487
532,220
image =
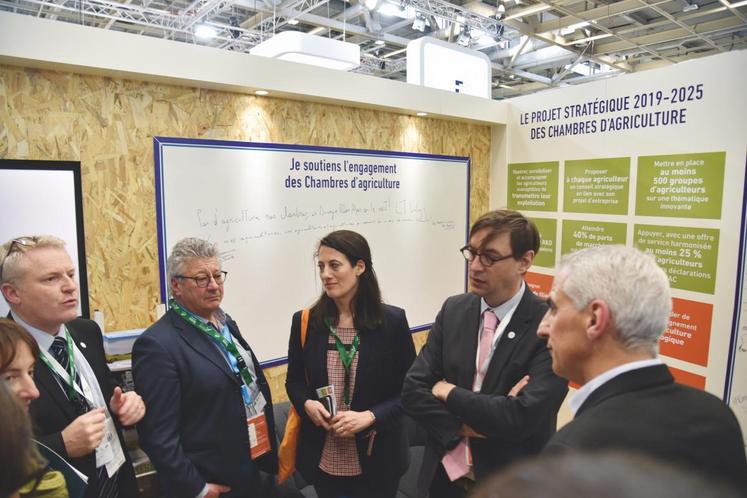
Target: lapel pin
x,y
511,334
83,345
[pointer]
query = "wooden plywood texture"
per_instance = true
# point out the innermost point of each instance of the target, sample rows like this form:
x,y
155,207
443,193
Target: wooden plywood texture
x,y
108,125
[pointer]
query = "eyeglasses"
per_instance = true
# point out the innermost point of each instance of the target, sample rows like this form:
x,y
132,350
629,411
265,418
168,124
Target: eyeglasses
x,y
486,259
17,243
203,281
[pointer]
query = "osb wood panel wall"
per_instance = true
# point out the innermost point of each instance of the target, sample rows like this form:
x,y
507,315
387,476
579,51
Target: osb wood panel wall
x,y
108,125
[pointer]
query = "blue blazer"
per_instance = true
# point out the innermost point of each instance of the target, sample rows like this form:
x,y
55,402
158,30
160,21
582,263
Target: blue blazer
x,y
384,355
194,429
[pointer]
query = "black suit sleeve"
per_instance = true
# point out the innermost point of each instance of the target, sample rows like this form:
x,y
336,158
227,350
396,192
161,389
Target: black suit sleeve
x,y
417,399
295,380
508,417
390,410
157,381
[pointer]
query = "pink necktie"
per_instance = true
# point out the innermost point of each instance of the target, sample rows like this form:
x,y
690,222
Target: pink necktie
x,y
489,324
457,462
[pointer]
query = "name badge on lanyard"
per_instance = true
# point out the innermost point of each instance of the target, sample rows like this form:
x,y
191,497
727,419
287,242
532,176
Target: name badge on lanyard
x,y
259,435
109,452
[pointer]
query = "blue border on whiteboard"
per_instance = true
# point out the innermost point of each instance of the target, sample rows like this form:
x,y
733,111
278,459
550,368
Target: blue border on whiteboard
x,y
74,167
160,142
734,341
233,144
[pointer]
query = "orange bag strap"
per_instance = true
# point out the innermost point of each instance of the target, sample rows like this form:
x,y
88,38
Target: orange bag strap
x,y
288,446
304,326
304,329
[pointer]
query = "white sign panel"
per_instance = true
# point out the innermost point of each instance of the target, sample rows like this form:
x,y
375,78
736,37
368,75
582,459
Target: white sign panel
x,y
439,64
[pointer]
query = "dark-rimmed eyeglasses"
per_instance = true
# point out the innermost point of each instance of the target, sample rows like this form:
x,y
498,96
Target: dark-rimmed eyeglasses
x,y
486,259
16,243
203,281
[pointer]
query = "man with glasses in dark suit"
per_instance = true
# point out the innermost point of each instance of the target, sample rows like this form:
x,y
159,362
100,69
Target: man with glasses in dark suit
x,y
80,411
209,427
468,387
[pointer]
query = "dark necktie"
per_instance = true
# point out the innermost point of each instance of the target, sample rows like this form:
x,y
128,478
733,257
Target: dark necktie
x,y
58,349
107,485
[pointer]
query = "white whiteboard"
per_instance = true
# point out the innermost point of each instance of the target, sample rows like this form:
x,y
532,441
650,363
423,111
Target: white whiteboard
x,y
44,198
235,194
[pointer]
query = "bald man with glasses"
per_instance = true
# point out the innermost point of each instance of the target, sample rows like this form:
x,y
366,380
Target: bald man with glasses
x,y
483,386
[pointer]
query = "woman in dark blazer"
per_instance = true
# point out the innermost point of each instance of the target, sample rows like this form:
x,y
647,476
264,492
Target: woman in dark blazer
x,y
363,348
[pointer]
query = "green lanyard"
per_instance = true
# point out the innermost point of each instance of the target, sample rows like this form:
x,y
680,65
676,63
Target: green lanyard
x,y
70,381
246,375
346,357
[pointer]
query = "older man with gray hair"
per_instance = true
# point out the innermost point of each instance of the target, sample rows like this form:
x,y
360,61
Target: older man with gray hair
x,y
608,307
209,427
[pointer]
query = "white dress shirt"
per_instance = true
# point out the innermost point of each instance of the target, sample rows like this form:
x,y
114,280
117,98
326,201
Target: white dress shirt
x,y
585,391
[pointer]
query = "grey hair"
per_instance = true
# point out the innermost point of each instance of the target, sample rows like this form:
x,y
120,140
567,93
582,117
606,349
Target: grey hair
x,y
634,287
185,250
12,268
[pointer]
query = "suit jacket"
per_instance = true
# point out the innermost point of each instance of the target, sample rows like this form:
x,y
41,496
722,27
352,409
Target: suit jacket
x,y
514,427
645,410
384,355
52,411
194,430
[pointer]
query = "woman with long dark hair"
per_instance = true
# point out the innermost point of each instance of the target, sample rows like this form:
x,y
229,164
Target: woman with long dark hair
x,y
22,466
352,443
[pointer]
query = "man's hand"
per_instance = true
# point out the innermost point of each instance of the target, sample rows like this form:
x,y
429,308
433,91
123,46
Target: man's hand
x,y
215,490
350,423
441,390
128,407
317,413
84,434
519,386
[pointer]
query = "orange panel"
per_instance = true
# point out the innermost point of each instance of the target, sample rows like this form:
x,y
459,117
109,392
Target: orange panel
x,y
539,283
688,336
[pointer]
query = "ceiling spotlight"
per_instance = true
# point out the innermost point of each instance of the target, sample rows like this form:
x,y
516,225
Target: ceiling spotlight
x,y
421,114
689,7
293,21
380,43
261,92
465,37
205,32
419,23
370,4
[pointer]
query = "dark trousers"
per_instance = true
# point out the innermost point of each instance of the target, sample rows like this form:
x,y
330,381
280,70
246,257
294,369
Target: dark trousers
x,y
328,486
442,487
